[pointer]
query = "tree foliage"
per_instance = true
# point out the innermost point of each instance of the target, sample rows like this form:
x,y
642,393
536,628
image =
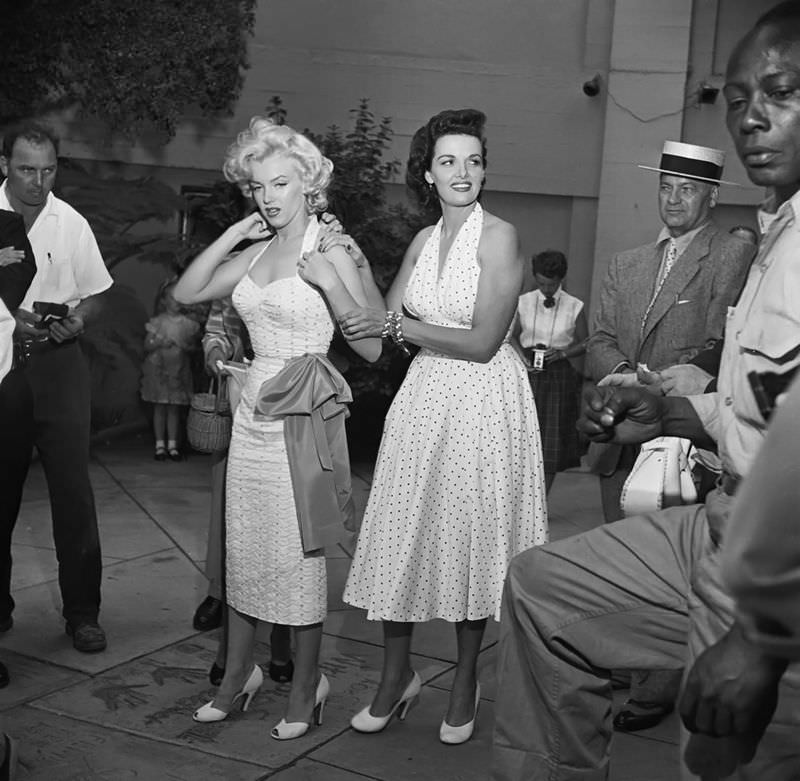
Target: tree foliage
x,y
137,66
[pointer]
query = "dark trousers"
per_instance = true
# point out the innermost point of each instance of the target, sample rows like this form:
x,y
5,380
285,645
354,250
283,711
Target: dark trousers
x,y
16,423
59,380
215,549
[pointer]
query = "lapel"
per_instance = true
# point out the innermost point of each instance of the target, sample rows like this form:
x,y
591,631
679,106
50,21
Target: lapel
x,y
636,296
684,270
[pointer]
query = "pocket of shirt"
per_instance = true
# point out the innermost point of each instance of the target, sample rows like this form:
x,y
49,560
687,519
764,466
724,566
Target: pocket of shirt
x,y
774,335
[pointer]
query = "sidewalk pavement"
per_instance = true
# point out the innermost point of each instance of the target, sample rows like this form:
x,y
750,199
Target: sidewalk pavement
x,y
126,713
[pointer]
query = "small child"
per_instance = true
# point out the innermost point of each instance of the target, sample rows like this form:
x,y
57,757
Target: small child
x,y
166,372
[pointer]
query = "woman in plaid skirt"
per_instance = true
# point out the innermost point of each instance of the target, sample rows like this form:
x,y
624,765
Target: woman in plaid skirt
x,y
551,333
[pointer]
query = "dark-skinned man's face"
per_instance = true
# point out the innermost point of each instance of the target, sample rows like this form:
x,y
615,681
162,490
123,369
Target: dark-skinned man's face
x,y
762,91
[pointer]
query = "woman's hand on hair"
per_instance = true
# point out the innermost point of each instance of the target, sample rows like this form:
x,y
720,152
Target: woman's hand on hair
x,y
253,227
363,323
317,270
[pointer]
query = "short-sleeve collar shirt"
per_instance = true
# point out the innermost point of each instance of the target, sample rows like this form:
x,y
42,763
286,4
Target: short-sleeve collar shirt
x,y
69,266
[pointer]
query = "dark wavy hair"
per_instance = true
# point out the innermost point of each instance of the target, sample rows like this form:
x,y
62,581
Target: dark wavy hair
x,y
462,122
786,12
551,264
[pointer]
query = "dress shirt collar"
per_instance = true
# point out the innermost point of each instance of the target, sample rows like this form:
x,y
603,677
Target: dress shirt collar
x,y
681,242
556,296
768,212
48,210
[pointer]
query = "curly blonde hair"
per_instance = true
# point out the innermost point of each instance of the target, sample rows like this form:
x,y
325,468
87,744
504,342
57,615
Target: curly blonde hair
x,y
264,138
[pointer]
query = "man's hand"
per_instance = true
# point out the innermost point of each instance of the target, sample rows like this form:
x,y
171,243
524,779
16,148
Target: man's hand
x,y
9,256
622,415
67,328
684,379
213,355
619,380
732,690
26,325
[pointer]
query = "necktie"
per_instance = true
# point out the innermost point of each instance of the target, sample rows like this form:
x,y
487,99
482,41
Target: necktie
x,y
669,260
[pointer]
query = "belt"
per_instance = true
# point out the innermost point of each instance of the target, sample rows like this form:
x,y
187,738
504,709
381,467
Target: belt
x,y
25,348
728,483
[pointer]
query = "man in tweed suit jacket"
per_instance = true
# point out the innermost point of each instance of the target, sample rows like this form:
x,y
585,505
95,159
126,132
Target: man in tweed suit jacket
x,y
660,305
642,319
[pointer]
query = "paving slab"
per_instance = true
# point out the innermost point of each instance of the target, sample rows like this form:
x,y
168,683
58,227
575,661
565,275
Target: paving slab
x,y
31,679
156,695
308,770
575,500
411,749
57,748
147,603
133,719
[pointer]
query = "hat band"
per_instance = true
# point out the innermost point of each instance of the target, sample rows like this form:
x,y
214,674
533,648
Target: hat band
x,y
685,166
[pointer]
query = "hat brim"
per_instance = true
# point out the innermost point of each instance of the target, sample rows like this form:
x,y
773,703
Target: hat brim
x,y
688,176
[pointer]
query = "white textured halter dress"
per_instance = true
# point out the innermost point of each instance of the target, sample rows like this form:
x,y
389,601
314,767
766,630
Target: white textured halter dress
x,y
267,574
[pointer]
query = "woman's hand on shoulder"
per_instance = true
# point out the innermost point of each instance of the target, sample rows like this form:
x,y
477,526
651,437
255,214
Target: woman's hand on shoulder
x,y
330,239
317,269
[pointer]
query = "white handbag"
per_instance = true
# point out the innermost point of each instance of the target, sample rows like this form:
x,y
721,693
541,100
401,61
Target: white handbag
x,y
661,477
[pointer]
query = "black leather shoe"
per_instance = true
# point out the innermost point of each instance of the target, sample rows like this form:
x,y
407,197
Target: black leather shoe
x,y
646,715
208,615
4,679
88,637
6,624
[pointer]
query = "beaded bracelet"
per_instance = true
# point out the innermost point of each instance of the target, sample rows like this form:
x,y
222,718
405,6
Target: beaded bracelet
x,y
393,329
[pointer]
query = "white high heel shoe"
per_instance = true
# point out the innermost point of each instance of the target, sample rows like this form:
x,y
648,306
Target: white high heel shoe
x,y
209,713
289,730
364,721
455,735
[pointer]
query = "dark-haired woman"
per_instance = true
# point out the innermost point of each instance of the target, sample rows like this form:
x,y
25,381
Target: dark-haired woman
x,y
552,323
452,500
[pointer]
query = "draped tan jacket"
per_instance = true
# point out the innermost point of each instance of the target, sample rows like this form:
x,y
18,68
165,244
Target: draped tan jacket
x,y
311,397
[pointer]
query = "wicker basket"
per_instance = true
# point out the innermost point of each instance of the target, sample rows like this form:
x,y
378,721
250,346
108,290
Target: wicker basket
x,y
208,425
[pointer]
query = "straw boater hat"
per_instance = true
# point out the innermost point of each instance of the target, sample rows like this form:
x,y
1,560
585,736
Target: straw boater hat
x,y
691,161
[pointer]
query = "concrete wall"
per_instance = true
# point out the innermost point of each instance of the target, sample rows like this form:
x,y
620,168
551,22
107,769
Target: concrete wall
x,y
523,62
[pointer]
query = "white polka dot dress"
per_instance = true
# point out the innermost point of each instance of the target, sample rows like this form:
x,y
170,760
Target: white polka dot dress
x,y
458,488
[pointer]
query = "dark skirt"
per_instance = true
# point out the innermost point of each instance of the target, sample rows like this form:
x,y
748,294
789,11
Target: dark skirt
x,y
557,393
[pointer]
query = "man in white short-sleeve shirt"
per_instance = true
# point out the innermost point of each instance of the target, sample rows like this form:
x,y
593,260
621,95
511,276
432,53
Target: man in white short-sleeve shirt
x,y
69,271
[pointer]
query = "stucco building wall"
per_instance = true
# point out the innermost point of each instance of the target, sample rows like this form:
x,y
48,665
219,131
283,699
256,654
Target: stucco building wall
x,y
562,165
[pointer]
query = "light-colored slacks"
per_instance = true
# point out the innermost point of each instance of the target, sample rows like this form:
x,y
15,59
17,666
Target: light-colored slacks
x,y
642,593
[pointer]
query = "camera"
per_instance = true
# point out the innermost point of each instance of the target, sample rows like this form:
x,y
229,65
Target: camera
x,y
537,358
49,312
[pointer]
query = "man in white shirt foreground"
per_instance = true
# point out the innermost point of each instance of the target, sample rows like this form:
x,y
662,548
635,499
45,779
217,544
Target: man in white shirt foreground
x,y
70,271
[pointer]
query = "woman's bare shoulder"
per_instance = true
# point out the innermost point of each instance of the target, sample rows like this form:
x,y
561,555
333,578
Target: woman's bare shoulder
x,y
493,223
498,232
